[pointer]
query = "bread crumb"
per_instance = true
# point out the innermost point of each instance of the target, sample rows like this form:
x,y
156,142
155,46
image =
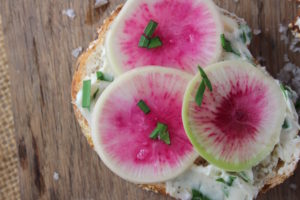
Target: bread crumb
x,y
100,3
76,52
69,12
55,176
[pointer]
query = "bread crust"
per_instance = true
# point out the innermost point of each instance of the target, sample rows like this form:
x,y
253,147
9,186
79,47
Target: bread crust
x,y
80,73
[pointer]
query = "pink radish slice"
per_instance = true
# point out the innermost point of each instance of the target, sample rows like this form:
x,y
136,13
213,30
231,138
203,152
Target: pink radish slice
x,y
121,130
189,30
240,121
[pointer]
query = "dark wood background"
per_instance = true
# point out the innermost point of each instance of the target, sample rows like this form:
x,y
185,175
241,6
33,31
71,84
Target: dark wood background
x,y
39,41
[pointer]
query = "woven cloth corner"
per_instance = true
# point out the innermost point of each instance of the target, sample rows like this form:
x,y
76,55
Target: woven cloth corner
x,y
9,178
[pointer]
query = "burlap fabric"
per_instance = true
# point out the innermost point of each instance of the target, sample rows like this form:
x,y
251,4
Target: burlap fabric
x,y
9,179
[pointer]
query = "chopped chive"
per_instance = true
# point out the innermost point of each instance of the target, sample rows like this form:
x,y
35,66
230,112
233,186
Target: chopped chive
x,y
154,134
103,77
86,94
205,78
144,42
244,37
244,176
245,28
160,127
143,106
229,182
95,93
200,93
164,136
227,45
161,133
285,124
149,30
100,75
197,195
221,180
154,43
283,89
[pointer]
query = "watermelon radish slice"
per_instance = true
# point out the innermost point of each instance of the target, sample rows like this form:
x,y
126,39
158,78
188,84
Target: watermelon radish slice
x,y
121,130
240,121
189,30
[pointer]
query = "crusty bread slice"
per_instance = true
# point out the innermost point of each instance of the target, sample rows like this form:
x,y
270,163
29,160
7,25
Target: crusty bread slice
x,y
83,69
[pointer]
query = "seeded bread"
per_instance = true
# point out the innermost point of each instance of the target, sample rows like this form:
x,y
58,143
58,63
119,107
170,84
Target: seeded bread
x,y
82,69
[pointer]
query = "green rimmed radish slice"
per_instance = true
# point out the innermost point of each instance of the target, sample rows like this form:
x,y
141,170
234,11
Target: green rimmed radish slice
x,y
188,31
121,129
239,122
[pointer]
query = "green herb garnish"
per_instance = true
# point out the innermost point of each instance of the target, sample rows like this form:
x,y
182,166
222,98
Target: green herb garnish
x,y
200,93
149,30
144,42
227,45
161,132
143,106
154,43
244,176
247,31
86,94
229,182
285,124
103,77
95,93
205,78
197,195
244,37
160,127
164,136
283,89
204,83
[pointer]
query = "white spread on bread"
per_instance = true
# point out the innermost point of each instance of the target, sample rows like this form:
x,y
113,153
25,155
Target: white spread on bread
x,y
203,178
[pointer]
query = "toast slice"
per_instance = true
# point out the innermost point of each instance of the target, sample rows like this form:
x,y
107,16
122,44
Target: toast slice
x,y
86,65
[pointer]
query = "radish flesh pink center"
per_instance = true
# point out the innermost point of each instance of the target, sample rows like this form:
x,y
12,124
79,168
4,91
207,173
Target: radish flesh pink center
x,y
189,31
121,130
239,122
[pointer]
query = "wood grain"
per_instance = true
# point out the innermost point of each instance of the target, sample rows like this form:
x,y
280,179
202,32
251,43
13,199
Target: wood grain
x,y
39,41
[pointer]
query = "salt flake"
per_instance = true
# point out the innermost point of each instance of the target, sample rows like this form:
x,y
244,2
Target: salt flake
x,y
55,176
256,31
69,12
100,3
77,51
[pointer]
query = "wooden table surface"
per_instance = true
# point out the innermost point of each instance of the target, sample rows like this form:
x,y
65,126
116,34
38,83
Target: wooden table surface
x,y
39,41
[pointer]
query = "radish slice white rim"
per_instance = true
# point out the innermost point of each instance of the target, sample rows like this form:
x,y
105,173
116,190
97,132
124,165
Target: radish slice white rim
x,y
120,130
188,40
239,122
